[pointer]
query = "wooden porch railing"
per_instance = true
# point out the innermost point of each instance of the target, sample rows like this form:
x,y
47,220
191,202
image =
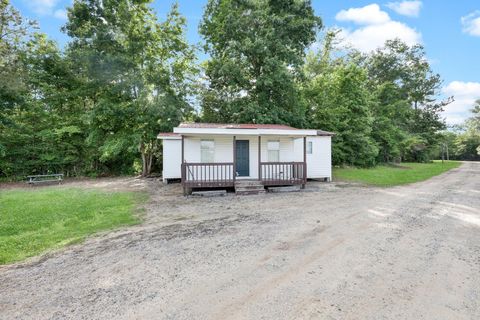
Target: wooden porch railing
x,y
206,175
283,173
200,175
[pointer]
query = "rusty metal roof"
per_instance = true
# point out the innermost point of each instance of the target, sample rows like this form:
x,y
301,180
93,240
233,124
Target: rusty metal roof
x,y
235,126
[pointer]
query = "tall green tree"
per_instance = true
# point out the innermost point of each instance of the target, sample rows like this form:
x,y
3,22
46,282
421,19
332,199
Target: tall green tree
x,y
339,101
14,33
256,49
406,70
391,116
43,132
137,73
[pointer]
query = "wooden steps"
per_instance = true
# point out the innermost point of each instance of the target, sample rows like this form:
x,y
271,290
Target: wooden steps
x,y
244,187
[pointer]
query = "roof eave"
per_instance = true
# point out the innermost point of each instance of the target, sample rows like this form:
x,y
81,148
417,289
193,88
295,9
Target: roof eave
x,y
322,133
254,132
169,136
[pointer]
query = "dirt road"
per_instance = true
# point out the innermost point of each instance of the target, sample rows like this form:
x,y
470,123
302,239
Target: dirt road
x,y
332,252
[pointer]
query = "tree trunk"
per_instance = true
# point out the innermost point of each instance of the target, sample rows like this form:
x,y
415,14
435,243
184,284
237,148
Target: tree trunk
x,y
147,159
150,161
144,164
144,158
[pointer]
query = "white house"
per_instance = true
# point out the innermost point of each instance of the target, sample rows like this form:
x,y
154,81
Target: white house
x,y
208,155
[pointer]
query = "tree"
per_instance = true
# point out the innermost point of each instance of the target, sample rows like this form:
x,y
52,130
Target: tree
x,y
464,139
406,70
468,142
137,73
391,114
473,123
44,132
256,49
14,32
340,102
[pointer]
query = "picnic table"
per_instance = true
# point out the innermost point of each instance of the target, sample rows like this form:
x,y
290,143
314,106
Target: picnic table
x,y
41,178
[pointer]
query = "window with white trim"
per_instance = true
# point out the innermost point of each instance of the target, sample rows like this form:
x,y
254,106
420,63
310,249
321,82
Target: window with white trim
x,y
273,149
207,151
309,147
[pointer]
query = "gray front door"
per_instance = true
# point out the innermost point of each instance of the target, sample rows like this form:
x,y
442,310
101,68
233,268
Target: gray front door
x,y
242,158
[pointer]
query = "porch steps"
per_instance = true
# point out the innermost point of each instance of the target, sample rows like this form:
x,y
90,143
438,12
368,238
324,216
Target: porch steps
x,y
245,187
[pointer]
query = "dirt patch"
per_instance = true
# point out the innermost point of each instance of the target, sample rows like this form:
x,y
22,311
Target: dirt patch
x,y
397,165
333,251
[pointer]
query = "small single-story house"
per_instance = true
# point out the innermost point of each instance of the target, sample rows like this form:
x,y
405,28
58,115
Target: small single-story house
x,y
211,155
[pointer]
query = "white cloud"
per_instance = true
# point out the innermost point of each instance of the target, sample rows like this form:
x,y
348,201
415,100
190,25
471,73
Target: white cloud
x,y
465,94
60,14
47,8
471,23
406,8
42,7
371,37
367,15
377,28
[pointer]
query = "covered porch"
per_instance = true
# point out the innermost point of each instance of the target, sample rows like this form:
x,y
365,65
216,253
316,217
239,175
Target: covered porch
x,y
269,159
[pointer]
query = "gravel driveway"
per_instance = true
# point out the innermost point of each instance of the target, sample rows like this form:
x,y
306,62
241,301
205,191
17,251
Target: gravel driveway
x,y
334,251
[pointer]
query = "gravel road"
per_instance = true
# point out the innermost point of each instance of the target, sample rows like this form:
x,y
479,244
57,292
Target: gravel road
x,y
334,251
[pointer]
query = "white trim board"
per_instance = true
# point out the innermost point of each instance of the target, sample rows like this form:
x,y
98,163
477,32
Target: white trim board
x,y
246,132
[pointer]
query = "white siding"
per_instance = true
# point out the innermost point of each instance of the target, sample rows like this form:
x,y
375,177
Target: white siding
x,y
286,148
172,158
319,163
286,151
223,148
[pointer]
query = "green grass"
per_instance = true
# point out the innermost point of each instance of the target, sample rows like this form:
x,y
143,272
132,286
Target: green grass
x,y
386,176
35,221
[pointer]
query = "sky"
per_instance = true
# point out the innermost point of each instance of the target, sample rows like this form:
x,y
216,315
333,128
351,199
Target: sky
x,y
449,30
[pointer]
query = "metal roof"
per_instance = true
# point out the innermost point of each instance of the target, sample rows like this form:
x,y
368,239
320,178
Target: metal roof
x,y
235,126
250,128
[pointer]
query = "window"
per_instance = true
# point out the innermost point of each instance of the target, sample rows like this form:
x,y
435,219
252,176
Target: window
x,y
309,147
273,148
207,151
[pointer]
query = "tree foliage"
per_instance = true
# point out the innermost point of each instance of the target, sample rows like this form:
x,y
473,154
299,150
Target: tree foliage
x,y
96,106
384,108
136,70
464,144
14,32
340,102
256,50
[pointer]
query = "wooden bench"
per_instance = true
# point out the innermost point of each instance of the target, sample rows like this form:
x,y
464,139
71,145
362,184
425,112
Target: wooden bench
x,y
41,178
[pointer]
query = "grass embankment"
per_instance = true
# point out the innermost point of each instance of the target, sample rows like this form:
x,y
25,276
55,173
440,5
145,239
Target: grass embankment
x,y
386,176
34,221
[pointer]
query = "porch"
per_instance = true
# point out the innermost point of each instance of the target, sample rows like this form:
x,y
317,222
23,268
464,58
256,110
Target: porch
x,y
237,173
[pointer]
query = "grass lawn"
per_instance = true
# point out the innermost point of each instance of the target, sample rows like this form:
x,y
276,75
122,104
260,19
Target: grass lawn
x,y
34,221
391,175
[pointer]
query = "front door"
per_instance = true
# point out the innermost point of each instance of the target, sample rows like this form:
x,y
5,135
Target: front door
x,y
242,158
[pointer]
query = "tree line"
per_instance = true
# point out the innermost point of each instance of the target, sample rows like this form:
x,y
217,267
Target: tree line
x,y
95,106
